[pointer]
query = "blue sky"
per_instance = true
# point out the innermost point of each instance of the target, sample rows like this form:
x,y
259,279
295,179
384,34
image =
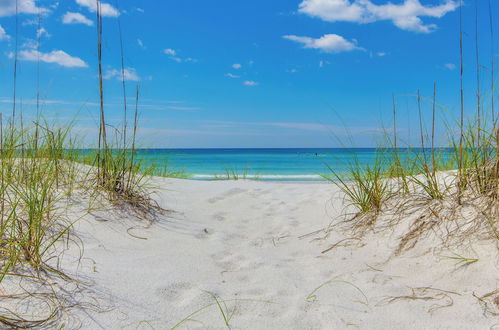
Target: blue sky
x,y
282,73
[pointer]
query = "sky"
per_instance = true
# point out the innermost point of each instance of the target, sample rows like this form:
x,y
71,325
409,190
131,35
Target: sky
x,y
247,74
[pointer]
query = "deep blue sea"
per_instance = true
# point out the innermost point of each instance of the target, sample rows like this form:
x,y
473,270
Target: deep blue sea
x,y
263,164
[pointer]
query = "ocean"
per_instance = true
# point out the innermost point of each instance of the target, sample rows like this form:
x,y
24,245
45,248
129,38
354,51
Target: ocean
x,y
261,164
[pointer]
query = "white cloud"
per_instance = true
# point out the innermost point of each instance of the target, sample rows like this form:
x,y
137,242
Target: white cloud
x,y
170,52
129,73
8,7
41,32
76,18
233,76
236,66
3,34
29,22
450,66
56,56
106,9
381,54
140,43
328,43
250,83
186,60
140,10
405,16
30,43
323,63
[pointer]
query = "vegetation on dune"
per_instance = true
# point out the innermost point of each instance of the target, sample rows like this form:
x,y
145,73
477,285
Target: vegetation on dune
x,y
235,175
41,170
426,183
36,177
42,173
456,188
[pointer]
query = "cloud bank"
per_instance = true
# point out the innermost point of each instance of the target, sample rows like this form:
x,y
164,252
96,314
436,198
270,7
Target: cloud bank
x,y
58,57
328,43
406,15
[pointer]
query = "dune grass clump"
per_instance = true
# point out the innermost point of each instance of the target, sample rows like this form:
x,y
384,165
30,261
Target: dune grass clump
x,y
119,174
451,191
461,203
365,188
34,173
40,171
35,177
166,172
235,175
479,171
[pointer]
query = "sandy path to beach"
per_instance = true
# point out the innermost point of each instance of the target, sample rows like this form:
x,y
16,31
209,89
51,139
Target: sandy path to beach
x,y
239,241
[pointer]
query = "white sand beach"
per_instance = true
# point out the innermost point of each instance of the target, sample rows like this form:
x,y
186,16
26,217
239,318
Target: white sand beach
x,y
151,154
241,242
249,165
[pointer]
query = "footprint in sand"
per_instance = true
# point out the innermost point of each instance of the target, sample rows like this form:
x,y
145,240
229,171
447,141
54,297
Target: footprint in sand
x,y
220,216
227,261
213,200
259,242
230,193
175,291
184,294
254,292
235,262
260,193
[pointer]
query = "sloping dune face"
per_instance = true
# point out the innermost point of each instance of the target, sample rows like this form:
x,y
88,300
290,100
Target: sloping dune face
x,y
256,255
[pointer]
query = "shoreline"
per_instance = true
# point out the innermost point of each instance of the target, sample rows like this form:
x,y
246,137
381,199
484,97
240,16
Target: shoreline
x,y
263,178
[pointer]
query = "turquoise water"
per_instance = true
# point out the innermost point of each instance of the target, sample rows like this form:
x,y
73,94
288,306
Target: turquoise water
x,y
263,164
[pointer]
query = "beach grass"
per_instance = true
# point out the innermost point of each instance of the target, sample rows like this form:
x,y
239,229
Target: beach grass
x,y
235,174
434,182
41,168
365,187
36,175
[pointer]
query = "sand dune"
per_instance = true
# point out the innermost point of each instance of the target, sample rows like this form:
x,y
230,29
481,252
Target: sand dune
x,y
241,242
